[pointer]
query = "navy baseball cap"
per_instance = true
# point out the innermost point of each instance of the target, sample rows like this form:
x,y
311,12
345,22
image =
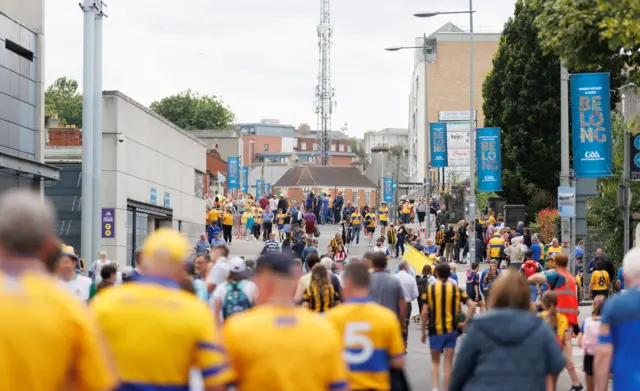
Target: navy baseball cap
x,y
277,263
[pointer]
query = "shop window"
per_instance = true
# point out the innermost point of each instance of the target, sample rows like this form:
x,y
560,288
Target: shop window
x,y
303,146
198,184
333,147
341,147
266,147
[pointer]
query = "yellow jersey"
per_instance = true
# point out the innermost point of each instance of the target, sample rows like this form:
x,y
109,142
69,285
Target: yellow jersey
x,y
213,216
293,350
371,336
157,332
372,220
356,219
227,219
384,214
496,247
257,217
280,218
49,341
554,250
562,325
406,208
600,280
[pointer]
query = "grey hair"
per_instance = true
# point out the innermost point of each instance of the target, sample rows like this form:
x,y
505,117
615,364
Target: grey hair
x,y
26,221
326,262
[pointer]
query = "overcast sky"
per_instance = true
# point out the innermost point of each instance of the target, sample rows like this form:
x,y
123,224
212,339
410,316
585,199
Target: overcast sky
x,y
261,56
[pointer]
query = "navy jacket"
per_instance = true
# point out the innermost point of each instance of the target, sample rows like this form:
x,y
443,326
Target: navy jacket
x,y
506,350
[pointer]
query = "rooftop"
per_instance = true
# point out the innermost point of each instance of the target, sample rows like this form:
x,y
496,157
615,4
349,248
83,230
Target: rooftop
x,y
325,176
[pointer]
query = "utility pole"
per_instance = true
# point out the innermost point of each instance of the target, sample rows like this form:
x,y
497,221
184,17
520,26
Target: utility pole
x,y
97,128
427,174
472,165
624,192
324,92
86,224
565,180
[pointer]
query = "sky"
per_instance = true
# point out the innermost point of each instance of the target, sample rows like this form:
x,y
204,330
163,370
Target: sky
x,y
261,56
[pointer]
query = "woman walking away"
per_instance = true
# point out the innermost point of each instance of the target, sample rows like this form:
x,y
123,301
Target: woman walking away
x,y
400,236
588,339
320,296
560,326
526,350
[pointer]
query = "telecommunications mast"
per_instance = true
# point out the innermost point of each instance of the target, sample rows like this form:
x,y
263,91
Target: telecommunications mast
x,y
324,92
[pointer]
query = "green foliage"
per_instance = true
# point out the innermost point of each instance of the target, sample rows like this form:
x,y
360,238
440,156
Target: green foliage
x,y
62,98
482,201
192,111
603,215
522,97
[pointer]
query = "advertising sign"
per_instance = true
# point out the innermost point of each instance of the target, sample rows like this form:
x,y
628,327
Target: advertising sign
x,y
108,223
233,172
259,188
591,125
438,139
489,159
458,140
635,157
245,179
267,189
459,157
566,201
459,126
456,115
388,190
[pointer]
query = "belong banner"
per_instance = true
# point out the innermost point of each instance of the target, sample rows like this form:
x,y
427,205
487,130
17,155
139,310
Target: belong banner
x,y
591,125
245,179
438,137
233,172
259,186
267,189
388,190
489,159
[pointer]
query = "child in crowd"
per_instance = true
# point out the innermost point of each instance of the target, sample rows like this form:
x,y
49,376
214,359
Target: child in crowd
x,y
588,339
340,256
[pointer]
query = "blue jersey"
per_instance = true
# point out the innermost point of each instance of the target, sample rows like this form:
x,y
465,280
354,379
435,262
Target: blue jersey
x,y
536,249
473,280
620,278
621,318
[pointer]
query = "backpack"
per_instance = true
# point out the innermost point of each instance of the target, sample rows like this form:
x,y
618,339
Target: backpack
x,y
530,268
235,300
590,335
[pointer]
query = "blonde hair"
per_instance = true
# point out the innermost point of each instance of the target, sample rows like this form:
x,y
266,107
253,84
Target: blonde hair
x,y
511,290
550,302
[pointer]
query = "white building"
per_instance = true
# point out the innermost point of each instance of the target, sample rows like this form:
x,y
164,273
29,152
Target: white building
x,y
152,177
22,95
387,137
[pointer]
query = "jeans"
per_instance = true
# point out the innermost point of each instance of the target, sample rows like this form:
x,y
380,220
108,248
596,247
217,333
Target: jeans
x,y
226,233
405,331
406,218
355,234
400,246
267,228
256,230
534,293
326,215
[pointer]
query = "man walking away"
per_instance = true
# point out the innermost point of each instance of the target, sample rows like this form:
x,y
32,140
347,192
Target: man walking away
x,y
387,290
410,286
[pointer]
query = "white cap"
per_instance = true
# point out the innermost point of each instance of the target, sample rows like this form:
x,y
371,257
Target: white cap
x,y
237,265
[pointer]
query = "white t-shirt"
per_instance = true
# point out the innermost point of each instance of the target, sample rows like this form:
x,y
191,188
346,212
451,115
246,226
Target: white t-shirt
x,y
248,287
219,273
410,286
79,287
382,249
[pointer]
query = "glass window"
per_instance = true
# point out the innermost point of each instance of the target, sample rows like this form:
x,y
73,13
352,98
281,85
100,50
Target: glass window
x,y
354,194
341,147
368,197
333,147
303,146
130,243
266,147
349,148
315,146
198,184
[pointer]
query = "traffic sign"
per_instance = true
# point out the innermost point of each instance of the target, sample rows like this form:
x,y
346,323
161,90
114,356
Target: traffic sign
x,y
409,185
635,157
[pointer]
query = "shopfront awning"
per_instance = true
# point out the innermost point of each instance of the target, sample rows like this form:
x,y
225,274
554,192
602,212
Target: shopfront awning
x,y
21,166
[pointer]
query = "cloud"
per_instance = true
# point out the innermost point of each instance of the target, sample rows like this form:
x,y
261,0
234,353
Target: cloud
x,y
260,56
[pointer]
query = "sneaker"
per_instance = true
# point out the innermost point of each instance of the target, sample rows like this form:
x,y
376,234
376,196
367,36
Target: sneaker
x,y
577,388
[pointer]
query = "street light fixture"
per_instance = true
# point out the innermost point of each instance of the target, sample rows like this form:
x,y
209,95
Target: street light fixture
x,y
430,14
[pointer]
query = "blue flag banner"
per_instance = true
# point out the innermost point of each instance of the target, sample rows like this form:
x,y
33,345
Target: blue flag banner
x,y
388,190
489,159
591,125
245,179
438,137
259,189
267,189
233,172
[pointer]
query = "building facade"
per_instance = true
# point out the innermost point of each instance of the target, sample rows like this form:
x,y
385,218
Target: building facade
x,y
446,86
386,138
22,96
153,176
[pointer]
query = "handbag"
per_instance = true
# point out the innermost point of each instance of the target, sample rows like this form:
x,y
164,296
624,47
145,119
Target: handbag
x,y
316,231
399,380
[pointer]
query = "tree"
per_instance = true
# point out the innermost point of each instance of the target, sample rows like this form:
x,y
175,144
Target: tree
x,y
603,215
192,111
63,99
522,97
592,35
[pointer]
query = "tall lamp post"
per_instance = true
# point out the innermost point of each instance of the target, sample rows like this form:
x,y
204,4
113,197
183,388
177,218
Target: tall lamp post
x,y
381,150
472,128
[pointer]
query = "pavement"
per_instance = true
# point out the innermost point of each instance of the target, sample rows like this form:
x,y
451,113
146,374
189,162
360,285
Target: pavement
x,y
418,366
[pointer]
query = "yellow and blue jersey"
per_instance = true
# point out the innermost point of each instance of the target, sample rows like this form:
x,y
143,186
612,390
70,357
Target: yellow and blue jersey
x,y
384,214
371,337
157,332
356,219
49,340
284,349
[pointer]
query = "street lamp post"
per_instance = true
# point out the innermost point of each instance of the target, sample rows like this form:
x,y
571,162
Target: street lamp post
x,y
472,128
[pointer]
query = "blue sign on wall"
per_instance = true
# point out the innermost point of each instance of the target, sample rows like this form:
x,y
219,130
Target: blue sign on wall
x,y
388,190
438,137
245,179
153,196
591,125
233,172
259,187
489,159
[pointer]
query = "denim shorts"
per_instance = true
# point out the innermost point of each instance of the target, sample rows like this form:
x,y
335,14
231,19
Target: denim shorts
x,y
443,341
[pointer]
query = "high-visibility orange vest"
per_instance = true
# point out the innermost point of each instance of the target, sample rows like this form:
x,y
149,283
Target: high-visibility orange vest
x,y
568,297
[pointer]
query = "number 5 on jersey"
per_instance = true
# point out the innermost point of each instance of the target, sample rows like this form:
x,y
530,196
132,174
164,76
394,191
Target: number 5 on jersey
x,y
359,347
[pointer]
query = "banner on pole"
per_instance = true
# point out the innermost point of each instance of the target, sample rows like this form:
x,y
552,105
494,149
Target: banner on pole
x,y
108,223
591,125
489,159
245,179
635,157
259,188
267,189
438,139
388,190
233,172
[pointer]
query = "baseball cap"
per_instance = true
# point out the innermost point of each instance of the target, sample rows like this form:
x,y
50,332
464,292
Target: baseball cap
x,y
237,265
69,251
168,241
277,263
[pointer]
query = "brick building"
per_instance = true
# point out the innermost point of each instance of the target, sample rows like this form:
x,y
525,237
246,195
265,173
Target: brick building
x,y
299,181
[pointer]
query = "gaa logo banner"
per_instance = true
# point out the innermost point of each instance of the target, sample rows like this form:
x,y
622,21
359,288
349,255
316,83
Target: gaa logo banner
x,y
591,125
438,137
489,159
